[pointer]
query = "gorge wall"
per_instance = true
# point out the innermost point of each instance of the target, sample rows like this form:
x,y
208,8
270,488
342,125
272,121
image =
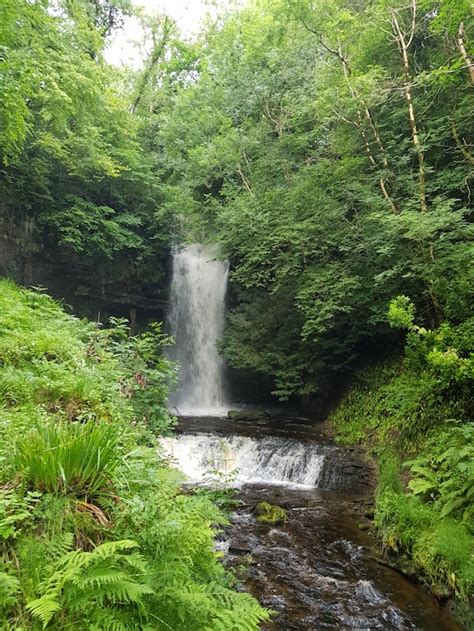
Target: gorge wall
x,y
94,288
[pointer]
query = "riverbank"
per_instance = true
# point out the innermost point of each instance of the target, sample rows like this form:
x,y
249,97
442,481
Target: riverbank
x,y
412,413
95,529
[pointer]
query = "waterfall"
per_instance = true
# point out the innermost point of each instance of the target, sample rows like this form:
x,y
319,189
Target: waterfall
x,y
241,459
196,320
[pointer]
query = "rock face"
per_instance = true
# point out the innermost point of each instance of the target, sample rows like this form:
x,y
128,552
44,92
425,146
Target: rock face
x,y
295,449
348,470
96,289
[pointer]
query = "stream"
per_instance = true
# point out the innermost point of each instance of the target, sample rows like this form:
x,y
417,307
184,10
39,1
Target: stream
x,y
319,570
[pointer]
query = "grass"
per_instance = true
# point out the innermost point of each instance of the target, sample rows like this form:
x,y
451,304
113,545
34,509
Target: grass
x,y
439,549
73,458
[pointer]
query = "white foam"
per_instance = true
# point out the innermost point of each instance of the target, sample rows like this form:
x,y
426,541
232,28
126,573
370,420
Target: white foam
x,y
241,459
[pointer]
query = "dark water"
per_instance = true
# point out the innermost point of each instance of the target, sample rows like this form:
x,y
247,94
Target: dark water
x,y
319,570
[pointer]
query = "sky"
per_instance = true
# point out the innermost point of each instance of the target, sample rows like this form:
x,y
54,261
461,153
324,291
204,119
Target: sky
x,y
187,13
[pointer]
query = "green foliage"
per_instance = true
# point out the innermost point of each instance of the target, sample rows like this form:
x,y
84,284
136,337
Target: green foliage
x,y
147,375
439,549
14,511
444,472
432,544
91,229
94,529
401,402
292,147
401,313
283,134
111,575
407,409
74,167
9,588
333,173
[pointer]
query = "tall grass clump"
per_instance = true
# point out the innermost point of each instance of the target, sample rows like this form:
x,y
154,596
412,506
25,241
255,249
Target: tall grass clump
x,y
69,458
95,532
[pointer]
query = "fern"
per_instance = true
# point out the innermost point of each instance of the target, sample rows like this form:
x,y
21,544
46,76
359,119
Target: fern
x,y
15,511
9,588
86,581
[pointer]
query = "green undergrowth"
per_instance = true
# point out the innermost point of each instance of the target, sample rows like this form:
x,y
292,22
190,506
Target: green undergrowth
x,y
415,413
95,532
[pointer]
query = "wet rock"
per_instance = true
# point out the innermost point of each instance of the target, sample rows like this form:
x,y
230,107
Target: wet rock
x,y
248,415
239,546
318,571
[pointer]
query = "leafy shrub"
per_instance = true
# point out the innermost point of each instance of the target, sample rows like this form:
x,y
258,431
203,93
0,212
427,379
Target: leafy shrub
x,y
401,313
147,374
444,471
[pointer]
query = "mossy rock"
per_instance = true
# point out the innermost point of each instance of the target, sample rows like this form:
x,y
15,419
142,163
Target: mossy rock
x,y
247,415
270,514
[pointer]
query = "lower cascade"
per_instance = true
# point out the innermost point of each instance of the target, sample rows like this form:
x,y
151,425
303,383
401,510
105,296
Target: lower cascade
x,y
243,459
315,567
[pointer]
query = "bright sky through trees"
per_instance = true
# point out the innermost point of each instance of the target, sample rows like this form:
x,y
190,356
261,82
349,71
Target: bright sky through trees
x,y
187,13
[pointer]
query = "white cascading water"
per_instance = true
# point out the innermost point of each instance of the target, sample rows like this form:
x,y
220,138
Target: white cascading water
x,y
240,459
196,320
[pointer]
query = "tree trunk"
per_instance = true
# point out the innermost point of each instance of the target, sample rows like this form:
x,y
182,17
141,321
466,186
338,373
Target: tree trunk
x,y
347,72
403,46
157,52
464,53
368,115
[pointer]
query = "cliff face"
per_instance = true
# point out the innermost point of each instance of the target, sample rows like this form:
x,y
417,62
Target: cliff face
x,y
19,251
97,289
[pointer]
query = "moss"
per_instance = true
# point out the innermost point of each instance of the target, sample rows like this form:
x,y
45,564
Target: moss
x,y
270,514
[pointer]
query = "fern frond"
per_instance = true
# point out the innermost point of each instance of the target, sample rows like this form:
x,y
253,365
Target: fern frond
x,y
44,609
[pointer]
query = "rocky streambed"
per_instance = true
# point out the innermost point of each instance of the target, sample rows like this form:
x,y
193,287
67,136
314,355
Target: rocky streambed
x,y
318,568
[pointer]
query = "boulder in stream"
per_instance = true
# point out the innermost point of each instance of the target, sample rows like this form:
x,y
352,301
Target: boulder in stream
x,y
247,415
270,514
